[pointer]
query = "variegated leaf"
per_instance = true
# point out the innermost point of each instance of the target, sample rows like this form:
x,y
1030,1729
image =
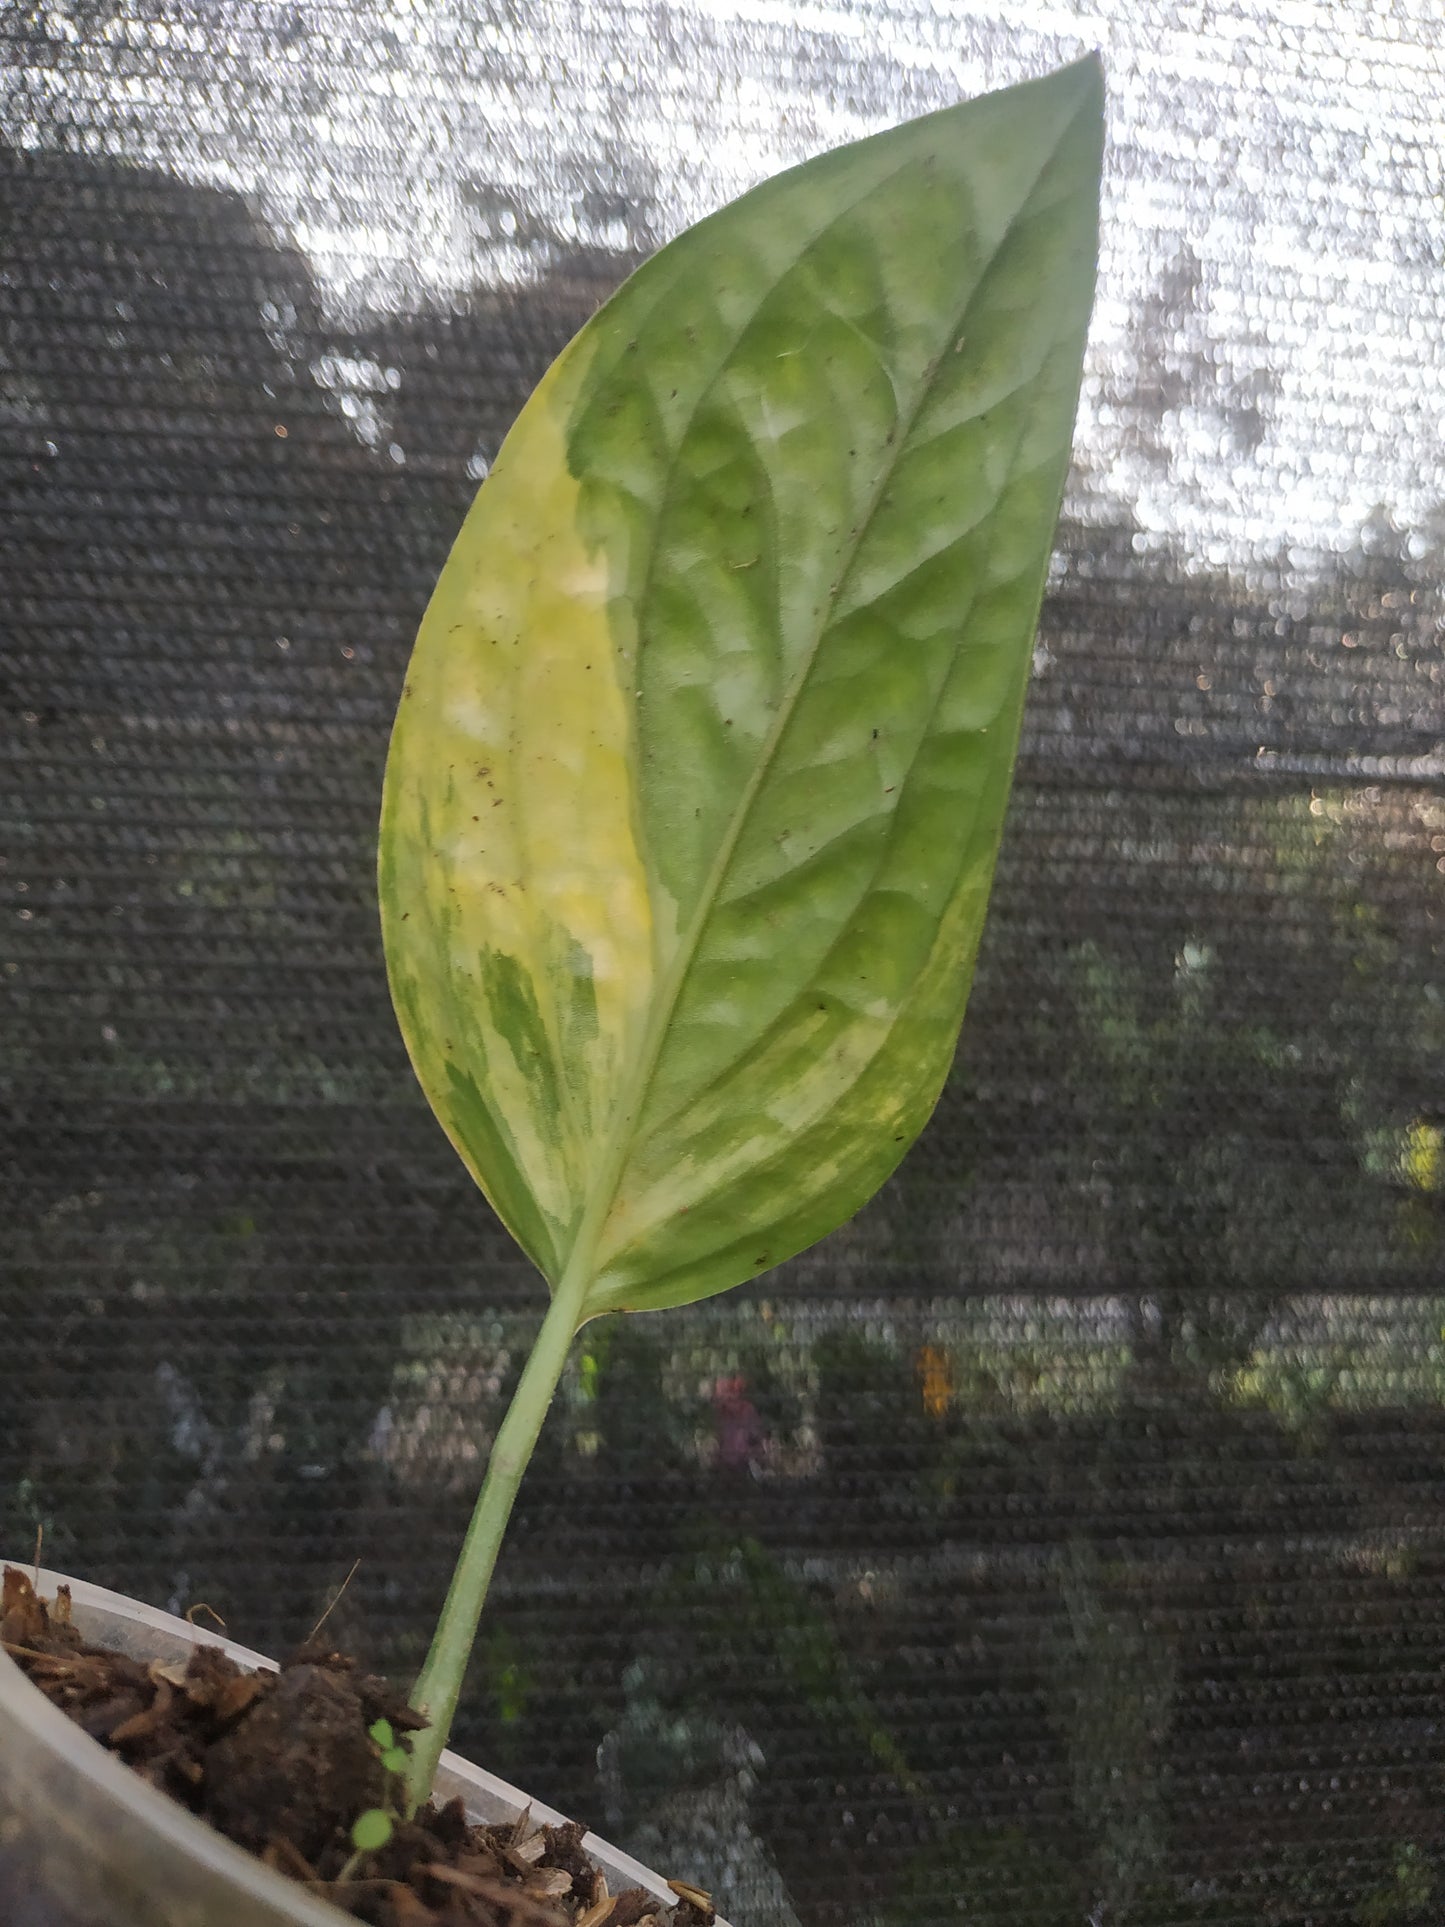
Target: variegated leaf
x,y
699,774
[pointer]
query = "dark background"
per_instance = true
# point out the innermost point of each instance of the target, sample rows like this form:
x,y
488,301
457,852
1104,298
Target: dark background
x,y
1060,1543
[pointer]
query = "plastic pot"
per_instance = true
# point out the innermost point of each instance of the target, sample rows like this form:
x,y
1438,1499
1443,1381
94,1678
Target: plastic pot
x,y
85,1842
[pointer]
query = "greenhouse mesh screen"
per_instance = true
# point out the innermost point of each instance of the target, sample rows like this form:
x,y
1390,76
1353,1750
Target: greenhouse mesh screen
x,y
1062,1542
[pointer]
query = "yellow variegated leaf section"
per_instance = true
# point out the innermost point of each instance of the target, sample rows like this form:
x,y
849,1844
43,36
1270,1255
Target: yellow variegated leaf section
x,y
516,910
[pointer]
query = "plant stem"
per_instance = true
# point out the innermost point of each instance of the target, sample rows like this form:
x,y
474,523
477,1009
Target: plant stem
x,y
439,1683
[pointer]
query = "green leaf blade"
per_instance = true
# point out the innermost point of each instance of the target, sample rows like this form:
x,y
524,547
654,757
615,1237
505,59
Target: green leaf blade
x,y
814,451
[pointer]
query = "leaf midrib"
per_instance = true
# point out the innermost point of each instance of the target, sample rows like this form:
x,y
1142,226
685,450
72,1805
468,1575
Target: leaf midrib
x,y
622,1123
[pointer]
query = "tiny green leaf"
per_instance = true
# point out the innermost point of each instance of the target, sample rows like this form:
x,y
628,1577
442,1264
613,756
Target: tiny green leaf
x,y
380,1731
371,1830
698,779
396,1759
